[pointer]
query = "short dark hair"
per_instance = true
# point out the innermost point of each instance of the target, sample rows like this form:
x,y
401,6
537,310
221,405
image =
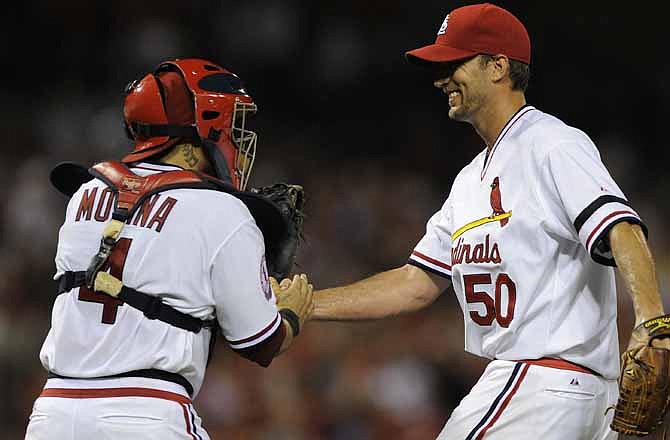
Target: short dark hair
x,y
519,72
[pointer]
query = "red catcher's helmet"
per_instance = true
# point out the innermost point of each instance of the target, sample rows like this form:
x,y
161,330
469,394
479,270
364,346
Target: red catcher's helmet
x,y
193,99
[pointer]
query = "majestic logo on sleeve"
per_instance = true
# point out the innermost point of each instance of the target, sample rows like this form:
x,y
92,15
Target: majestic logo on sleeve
x,y
498,214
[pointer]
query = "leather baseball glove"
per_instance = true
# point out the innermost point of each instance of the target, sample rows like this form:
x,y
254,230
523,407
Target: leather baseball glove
x,y
281,253
644,382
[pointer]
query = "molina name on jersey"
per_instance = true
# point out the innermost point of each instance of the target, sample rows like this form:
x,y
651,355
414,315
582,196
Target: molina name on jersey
x,y
200,251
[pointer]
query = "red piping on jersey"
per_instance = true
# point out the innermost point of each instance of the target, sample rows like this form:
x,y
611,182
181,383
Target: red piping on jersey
x,y
505,403
588,241
559,364
432,260
257,335
510,123
95,393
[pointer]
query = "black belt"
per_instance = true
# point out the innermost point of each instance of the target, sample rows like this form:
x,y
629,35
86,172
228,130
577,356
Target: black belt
x,y
149,374
151,306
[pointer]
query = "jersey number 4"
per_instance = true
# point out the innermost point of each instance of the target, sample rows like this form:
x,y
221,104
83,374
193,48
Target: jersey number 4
x,y
493,306
115,265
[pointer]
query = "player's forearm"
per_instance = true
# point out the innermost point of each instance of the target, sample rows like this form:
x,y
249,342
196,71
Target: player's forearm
x,y
389,293
636,267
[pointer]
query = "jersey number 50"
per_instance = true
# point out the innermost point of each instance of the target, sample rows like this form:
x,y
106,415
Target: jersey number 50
x,y
493,306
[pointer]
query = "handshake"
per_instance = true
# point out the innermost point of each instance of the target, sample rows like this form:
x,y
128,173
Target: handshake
x,y
294,300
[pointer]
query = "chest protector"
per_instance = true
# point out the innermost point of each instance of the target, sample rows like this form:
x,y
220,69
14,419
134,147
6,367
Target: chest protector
x,y
130,192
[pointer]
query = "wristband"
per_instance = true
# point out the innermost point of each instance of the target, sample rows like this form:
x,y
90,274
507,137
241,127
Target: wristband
x,y
292,319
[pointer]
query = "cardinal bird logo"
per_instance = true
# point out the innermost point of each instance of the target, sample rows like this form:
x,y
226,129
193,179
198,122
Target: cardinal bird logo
x,y
498,214
496,202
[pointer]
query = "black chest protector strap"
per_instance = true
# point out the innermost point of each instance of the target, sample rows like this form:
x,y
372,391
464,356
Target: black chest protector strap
x,y
151,306
130,191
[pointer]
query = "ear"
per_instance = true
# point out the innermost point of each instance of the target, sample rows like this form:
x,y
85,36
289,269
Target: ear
x,y
498,68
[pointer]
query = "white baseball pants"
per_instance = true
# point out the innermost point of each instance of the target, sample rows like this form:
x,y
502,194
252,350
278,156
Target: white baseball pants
x,y
113,409
524,400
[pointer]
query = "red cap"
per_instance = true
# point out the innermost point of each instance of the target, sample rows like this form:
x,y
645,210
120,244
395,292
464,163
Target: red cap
x,y
476,29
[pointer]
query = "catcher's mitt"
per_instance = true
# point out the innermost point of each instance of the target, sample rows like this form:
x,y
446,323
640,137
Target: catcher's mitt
x,y
644,383
290,200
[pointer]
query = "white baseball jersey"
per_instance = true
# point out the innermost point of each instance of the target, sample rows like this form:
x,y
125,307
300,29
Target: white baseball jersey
x,y
200,251
523,238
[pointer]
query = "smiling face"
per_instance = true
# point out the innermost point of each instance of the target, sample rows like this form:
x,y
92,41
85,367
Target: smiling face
x,y
467,85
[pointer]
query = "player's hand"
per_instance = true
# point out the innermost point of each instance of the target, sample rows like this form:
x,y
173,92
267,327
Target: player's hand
x,y
295,295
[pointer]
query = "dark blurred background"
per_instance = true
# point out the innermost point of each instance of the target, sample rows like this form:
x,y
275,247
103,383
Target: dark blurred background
x,y
343,114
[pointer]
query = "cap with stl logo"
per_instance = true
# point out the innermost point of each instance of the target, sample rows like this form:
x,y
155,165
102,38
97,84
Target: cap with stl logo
x,y
476,29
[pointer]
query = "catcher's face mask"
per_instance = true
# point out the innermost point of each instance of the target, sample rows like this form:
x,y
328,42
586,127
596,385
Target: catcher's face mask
x,y
221,108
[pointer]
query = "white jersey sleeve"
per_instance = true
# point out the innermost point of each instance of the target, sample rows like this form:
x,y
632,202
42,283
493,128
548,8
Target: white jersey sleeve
x,y
576,183
246,306
433,252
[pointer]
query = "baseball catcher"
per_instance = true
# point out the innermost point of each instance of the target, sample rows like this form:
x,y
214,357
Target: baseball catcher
x,y
160,252
644,382
277,209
